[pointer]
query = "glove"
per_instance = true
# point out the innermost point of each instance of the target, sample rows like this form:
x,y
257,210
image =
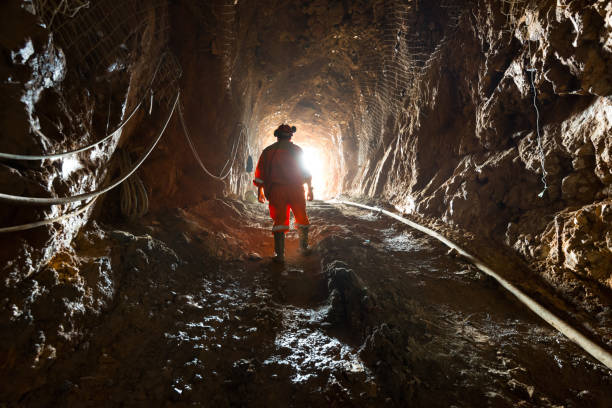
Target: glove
x,y
260,195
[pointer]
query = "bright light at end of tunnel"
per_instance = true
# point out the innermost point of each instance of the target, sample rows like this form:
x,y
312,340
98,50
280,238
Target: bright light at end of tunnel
x,y
314,161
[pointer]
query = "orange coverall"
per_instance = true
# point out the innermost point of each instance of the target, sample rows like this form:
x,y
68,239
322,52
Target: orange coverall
x,y
280,170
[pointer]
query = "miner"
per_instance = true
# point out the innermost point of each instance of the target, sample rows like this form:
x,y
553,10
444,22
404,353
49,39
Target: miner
x,y
280,176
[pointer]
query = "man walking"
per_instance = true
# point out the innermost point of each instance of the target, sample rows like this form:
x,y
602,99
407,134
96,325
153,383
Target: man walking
x,y
280,177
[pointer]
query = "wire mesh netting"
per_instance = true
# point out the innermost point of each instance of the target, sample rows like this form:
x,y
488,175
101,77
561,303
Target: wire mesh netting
x,y
226,18
49,9
167,80
104,35
408,47
513,9
97,34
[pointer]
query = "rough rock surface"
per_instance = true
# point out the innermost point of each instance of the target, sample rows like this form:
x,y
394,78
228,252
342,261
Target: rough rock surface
x,y
168,311
471,147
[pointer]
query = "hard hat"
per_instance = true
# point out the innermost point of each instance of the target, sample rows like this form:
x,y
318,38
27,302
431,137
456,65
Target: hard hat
x,y
285,131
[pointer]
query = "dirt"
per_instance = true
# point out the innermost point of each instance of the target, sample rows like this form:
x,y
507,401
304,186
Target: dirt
x,y
377,315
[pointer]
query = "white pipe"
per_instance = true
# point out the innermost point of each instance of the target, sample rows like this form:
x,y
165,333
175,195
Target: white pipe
x,y
12,156
47,221
93,194
604,356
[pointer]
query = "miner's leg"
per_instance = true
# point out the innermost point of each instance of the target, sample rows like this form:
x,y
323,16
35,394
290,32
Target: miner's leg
x,y
298,206
279,246
303,233
279,211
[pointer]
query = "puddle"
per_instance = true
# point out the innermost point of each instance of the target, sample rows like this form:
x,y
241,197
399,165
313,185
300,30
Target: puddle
x,y
403,241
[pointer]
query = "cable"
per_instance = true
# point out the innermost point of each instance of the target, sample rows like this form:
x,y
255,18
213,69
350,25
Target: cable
x,y
233,152
85,196
221,176
134,199
540,147
11,156
36,224
604,356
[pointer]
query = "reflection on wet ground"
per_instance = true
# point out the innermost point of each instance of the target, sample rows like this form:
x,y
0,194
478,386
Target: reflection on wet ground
x,y
490,349
377,315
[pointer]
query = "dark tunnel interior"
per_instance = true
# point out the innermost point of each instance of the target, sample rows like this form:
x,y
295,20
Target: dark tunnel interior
x,y
138,265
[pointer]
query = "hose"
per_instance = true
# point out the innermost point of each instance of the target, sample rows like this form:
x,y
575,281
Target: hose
x,y
604,356
134,199
47,221
234,152
11,156
96,193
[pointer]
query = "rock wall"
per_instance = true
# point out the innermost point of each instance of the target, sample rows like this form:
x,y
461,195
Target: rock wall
x,y
68,80
471,144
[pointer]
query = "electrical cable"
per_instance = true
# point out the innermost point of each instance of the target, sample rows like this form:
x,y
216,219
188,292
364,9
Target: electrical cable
x,y
539,136
85,196
221,176
234,151
602,355
11,156
47,221
134,199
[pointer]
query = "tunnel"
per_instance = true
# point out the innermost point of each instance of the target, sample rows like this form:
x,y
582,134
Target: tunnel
x,y
459,240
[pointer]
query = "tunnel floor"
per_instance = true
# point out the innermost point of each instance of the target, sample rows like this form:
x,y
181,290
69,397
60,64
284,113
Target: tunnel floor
x,y
378,315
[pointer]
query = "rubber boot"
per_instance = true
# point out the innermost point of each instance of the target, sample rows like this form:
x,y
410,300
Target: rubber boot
x,y
279,247
303,233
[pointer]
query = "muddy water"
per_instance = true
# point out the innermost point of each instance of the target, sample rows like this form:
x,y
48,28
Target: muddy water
x,y
377,315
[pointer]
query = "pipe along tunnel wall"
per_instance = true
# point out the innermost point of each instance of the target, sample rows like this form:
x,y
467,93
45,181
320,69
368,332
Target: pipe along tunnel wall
x,y
491,118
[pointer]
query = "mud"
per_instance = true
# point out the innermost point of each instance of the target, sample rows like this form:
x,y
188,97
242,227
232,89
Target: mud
x,y
377,315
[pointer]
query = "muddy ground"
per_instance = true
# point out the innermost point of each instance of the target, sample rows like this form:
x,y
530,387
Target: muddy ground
x,y
377,315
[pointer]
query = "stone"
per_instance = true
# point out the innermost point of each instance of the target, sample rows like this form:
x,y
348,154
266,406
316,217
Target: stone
x,y
582,162
254,256
452,253
580,186
585,150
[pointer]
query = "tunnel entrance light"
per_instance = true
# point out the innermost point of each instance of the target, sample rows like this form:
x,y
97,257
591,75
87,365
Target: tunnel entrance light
x,y
321,156
316,161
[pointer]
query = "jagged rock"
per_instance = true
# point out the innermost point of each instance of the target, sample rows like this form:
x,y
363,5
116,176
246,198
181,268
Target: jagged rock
x,y
583,162
585,150
585,243
581,186
348,299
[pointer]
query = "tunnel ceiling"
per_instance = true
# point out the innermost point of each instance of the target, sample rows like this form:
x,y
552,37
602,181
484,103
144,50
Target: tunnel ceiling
x,y
338,70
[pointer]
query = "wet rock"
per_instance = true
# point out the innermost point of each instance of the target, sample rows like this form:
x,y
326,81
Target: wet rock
x,y
348,299
511,233
250,197
254,256
585,242
122,236
524,390
384,349
453,253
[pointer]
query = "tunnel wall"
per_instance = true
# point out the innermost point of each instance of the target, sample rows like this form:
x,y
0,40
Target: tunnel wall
x,y
71,74
72,71
70,82
465,143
